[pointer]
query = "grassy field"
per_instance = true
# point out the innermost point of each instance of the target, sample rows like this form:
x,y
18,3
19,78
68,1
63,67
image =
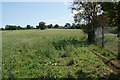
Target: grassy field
x,y
50,53
111,42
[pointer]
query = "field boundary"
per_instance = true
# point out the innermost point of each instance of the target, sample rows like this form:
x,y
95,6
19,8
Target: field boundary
x,y
113,64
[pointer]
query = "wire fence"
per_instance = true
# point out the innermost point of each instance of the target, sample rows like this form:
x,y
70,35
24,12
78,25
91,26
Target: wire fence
x,y
110,39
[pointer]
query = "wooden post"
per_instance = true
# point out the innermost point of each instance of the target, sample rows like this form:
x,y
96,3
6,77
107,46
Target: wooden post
x,y
102,36
118,23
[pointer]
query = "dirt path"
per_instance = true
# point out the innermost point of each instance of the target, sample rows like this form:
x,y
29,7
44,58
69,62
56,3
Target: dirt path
x,y
114,65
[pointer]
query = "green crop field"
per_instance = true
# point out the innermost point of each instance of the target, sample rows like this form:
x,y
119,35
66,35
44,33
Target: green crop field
x,y
51,53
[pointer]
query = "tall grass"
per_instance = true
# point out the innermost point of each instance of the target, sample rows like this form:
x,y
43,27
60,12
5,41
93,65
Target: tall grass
x,y
51,53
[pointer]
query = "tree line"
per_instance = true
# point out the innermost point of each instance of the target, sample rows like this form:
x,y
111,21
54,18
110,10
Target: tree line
x,y
42,26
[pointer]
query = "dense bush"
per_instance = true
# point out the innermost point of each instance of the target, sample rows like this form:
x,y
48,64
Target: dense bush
x,y
14,27
10,27
67,25
50,26
1,28
76,26
29,27
56,26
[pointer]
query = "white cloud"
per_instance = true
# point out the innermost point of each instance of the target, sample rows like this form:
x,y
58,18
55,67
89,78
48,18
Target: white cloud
x,y
60,20
52,21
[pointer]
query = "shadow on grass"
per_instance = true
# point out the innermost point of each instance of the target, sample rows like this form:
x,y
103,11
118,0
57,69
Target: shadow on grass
x,y
112,77
63,43
84,75
80,76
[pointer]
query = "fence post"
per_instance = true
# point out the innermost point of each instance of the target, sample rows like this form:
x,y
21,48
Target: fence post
x,y
118,23
119,42
102,36
119,46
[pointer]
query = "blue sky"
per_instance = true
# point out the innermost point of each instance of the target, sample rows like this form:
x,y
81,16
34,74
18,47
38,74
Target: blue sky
x,y
24,13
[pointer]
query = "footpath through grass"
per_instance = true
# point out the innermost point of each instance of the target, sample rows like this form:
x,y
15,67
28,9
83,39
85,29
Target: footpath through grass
x,y
51,53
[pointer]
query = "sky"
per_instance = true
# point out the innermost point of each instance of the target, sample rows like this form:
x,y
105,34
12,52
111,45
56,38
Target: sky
x,y
24,13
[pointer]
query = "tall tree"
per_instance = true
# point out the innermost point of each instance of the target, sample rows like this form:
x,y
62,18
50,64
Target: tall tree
x,y
73,26
88,11
41,26
56,26
28,27
18,27
67,25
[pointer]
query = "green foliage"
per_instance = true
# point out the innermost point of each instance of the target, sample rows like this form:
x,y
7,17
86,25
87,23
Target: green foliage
x,y
41,26
112,12
71,62
19,27
78,26
1,28
50,26
63,43
10,27
29,27
36,54
73,26
13,27
86,11
109,40
104,52
67,25
56,26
